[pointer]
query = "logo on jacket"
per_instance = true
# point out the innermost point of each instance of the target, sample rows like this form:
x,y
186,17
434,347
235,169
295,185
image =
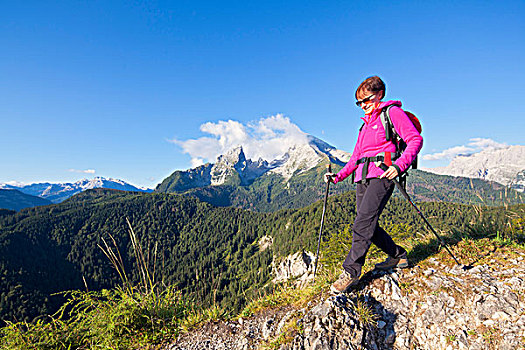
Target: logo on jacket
x,y
374,127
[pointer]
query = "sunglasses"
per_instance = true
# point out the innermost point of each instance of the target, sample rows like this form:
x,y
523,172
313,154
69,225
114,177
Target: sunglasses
x,y
365,100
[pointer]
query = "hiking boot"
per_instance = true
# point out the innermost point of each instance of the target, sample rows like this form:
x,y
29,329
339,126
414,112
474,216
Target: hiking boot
x,y
390,262
344,282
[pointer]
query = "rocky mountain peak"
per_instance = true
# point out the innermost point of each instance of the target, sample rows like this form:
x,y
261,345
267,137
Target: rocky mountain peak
x,y
299,158
233,167
232,157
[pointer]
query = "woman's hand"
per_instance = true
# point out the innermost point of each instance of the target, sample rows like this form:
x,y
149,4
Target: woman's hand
x,y
329,177
390,173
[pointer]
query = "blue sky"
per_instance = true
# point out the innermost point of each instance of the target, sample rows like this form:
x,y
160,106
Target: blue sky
x,y
103,88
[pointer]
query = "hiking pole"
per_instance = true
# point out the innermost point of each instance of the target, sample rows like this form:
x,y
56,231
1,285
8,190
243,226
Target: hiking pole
x,y
384,167
329,169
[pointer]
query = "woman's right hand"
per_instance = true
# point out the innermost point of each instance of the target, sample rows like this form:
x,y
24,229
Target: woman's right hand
x,y
329,177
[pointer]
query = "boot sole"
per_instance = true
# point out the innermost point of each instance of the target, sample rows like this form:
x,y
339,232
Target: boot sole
x,y
399,266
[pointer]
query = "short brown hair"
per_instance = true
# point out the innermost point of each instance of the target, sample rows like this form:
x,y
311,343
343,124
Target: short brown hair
x,y
372,84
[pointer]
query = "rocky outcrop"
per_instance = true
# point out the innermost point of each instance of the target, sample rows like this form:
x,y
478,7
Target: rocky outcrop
x,y
298,266
424,309
265,242
431,306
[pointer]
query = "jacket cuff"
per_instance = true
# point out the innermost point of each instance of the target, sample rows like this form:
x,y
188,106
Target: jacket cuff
x,y
397,168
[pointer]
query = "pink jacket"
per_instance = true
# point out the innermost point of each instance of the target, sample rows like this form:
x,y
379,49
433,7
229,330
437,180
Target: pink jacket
x,y
372,141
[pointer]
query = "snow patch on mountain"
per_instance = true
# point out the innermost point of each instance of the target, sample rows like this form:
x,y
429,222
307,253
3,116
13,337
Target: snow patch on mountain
x,y
505,166
298,159
306,156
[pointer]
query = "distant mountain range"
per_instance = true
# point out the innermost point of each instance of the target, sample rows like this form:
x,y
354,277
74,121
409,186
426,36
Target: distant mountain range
x,y
295,180
58,192
505,166
16,200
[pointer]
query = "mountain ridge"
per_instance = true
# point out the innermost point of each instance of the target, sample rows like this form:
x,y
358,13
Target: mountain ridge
x,y
58,192
49,249
505,165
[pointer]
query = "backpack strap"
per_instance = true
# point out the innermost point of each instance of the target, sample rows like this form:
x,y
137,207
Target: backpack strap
x,y
353,173
387,123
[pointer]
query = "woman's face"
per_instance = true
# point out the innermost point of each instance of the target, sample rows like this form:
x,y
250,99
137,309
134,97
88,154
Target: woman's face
x,y
368,101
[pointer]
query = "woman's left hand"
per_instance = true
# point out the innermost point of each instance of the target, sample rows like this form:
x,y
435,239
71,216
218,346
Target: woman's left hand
x,y
390,173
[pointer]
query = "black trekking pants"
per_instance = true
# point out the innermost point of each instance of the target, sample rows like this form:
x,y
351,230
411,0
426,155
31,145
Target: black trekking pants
x,y
371,198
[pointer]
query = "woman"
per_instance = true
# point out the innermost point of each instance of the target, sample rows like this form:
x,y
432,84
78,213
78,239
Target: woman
x,y
375,186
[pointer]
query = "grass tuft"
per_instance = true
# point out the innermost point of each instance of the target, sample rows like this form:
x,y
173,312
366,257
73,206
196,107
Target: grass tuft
x,y
366,315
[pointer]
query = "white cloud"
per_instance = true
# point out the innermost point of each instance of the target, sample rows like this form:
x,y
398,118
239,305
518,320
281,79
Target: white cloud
x,y
486,144
195,162
87,171
268,138
475,145
449,153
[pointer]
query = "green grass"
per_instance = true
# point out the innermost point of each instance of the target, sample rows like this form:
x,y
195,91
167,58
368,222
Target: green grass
x,y
289,294
109,319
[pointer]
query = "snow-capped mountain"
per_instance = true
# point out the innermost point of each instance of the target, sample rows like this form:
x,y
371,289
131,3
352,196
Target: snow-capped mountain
x,y
505,166
58,192
233,168
299,158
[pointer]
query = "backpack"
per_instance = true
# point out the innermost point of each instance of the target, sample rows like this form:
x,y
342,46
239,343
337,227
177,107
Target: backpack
x,y
392,135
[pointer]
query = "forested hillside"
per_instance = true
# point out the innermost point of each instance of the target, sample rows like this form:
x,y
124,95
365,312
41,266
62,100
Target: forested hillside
x,y
211,254
199,248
